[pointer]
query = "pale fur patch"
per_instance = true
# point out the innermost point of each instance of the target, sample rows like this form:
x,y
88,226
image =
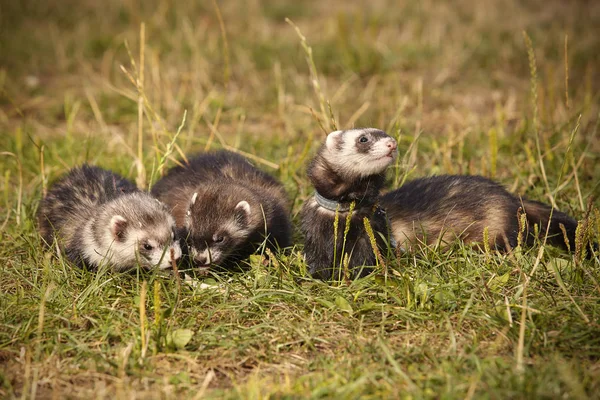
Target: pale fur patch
x,y
188,213
122,255
114,221
375,161
97,253
411,234
176,251
125,252
496,223
403,233
161,256
207,256
332,138
152,243
234,230
243,206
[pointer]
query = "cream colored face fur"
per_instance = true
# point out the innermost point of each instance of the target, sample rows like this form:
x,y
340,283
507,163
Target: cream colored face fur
x,y
141,245
361,152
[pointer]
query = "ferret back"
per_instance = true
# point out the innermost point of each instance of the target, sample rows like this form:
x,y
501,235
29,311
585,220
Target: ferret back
x,y
76,195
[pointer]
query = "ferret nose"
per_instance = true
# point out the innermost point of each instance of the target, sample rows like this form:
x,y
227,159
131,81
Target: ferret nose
x,y
200,260
392,145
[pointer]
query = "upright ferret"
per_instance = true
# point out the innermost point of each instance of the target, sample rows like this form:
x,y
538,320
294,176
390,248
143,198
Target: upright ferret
x,y
349,167
97,216
226,208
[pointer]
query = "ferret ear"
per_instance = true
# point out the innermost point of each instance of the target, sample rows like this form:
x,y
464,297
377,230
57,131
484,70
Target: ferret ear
x,y
188,212
332,139
118,225
242,212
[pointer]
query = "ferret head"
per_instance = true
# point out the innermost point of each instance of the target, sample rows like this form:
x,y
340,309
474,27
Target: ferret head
x,y
359,152
136,228
220,221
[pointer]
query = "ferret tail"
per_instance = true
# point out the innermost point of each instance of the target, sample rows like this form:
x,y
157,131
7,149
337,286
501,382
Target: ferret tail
x,y
539,214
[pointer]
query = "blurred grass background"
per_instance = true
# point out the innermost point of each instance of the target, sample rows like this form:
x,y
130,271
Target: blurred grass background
x,y
452,80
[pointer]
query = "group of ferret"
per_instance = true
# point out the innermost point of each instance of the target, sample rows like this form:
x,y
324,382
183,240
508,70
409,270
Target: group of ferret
x,y
216,209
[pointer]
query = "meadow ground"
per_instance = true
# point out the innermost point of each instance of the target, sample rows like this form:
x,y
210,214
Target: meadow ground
x,y
506,89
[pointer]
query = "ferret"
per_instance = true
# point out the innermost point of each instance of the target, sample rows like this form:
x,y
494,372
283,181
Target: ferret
x,y
98,217
348,167
441,209
225,208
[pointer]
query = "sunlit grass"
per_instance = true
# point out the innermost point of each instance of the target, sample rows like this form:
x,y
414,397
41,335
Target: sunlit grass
x,y
453,82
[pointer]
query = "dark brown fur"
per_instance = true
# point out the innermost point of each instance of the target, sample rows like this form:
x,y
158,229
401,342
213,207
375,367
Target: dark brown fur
x,y
222,180
344,182
441,209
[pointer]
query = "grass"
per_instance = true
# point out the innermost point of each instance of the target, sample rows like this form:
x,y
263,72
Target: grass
x,y
456,82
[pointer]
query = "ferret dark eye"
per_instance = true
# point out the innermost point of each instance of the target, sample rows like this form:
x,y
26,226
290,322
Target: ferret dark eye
x,y
363,139
148,246
218,239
